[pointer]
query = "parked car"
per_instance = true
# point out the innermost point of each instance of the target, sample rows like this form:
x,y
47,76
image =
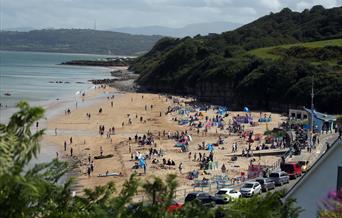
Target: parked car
x,y
203,197
266,184
228,194
279,178
250,188
136,207
304,165
292,169
174,206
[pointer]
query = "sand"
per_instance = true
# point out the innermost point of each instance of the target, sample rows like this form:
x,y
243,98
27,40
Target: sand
x,y
87,140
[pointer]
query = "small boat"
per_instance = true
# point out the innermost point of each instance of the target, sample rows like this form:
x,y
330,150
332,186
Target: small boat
x,y
7,94
109,174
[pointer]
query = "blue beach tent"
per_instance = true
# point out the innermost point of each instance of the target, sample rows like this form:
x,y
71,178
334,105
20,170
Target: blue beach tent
x,y
246,109
210,147
141,162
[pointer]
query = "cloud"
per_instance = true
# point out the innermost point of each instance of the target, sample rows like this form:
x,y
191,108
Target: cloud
x,y
118,13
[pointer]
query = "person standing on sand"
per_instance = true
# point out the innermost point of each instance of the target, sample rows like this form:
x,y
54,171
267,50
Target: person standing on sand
x,y
223,168
71,151
65,144
111,103
70,140
92,166
88,170
145,168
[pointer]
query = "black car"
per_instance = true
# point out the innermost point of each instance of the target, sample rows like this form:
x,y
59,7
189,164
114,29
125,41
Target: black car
x,y
266,184
203,197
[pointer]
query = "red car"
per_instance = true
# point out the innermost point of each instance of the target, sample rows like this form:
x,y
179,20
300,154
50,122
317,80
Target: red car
x,y
174,207
292,169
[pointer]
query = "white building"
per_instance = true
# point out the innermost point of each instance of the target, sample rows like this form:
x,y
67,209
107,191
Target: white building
x,y
323,177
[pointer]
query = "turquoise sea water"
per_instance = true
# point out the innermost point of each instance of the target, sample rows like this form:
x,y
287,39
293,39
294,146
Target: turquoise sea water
x,y
29,76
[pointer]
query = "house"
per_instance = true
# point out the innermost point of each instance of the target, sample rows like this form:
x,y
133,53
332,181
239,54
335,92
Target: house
x,y
324,176
298,114
321,121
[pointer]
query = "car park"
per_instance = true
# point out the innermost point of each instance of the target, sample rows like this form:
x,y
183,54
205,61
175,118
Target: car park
x,y
266,184
292,169
227,194
279,178
250,188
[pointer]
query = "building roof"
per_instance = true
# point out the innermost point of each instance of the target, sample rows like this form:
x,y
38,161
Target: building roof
x,y
315,166
321,116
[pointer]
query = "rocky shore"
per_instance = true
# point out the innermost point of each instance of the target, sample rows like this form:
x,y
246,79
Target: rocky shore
x,y
107,62
124,80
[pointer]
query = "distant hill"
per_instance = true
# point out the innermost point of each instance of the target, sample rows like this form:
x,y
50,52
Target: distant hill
x,y
223,69
77,41
188,30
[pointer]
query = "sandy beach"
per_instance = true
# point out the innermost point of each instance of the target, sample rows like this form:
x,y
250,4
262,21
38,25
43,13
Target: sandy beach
x,y
124,112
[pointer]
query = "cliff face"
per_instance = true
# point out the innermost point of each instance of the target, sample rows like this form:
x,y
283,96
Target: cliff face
x,y
219,95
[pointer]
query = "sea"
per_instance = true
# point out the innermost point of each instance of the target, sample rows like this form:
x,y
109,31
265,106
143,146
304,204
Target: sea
x,y
32,76
40,79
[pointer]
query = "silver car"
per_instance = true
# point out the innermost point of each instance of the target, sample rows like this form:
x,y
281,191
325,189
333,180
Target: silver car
x,y
279,178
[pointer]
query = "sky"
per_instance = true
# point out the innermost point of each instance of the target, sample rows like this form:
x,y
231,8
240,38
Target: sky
x,y
108,14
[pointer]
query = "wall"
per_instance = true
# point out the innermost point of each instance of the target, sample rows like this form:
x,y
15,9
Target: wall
x,y
320,182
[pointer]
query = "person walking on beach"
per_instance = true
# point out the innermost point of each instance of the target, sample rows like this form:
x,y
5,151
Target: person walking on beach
x,y
65,144
180,167
71,151
145,168
70,140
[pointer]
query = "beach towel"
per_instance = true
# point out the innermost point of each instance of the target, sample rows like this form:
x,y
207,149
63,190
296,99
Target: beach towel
x,y
104,156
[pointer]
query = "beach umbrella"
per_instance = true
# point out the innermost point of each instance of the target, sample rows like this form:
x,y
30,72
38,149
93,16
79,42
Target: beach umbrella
x,y
246,109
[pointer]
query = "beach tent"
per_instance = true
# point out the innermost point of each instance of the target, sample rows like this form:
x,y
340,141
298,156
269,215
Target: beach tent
x,y
246,109
210,147
141,162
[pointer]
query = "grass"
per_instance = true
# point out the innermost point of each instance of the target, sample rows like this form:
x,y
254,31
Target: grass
x,y
267,54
